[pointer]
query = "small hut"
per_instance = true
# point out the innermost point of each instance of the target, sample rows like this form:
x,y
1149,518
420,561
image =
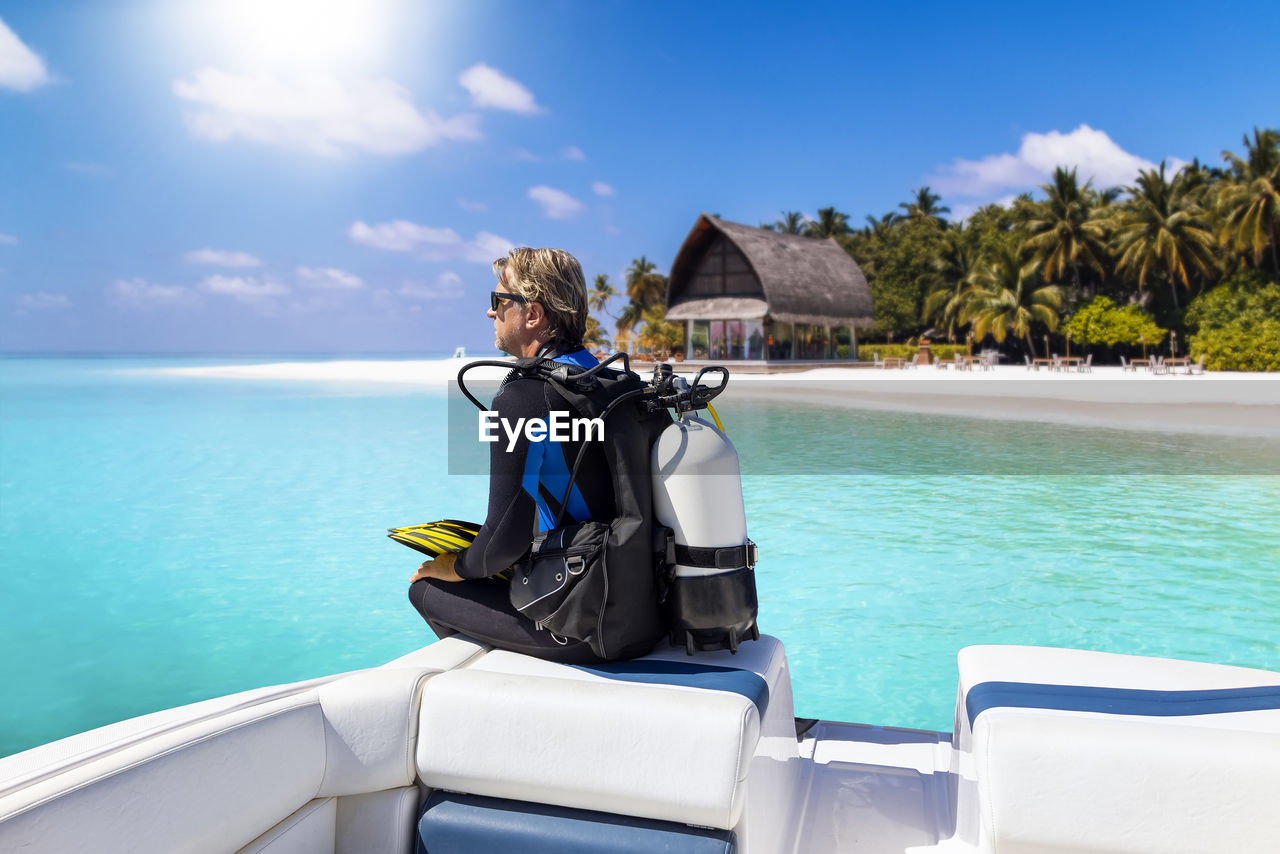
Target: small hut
x,y
756,295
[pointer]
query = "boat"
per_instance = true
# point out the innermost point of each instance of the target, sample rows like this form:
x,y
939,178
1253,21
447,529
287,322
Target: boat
x,y
456,747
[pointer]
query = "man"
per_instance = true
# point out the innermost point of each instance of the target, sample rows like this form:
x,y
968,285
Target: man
x,y
539,309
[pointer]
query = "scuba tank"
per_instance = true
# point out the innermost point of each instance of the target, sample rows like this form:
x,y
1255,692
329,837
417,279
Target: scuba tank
x,y
710,601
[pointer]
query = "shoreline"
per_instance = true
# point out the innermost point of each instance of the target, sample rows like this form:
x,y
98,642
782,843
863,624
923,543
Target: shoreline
x,y
1229,404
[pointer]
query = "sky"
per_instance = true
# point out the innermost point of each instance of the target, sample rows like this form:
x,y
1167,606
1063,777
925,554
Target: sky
x,y
336,176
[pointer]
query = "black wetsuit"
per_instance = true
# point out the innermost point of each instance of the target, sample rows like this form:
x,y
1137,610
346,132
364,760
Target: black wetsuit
x,y
526,485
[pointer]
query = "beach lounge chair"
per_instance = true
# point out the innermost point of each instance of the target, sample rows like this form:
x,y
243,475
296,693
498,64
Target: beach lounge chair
x,y
1125,366
1158,366
1197,367
1087,365
876,360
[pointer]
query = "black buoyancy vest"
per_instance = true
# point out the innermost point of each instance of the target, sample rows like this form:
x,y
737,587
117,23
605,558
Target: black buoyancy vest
x,y
630,618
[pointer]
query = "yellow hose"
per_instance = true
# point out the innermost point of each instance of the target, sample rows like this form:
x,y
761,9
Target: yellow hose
x,y
715,418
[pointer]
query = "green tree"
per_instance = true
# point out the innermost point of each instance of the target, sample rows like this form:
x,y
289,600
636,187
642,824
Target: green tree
x,y
601,292
957,264
1237,324
595,335
1102,322
1008,298
900,270
1064,235
924,207
830,223
658,334
1160,230
879,228
792,222
645,287
1250,202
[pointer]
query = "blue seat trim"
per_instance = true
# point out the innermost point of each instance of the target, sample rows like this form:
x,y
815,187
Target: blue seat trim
x,y
711,677
1118,701
470,824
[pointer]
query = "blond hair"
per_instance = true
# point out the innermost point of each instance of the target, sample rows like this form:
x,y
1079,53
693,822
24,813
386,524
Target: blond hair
x,y
554,278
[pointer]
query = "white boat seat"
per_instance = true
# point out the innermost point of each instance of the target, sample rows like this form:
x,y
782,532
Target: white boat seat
x,y
322,766
469,824
665,737
1077,751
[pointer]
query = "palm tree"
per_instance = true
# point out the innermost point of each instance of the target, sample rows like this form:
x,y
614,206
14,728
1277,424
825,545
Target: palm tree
x,y
1006,299
830,223
1160,228
658,334
645,287
601,292
879,228
1250,203
595,334
1064,234
924,207
958,265
792,222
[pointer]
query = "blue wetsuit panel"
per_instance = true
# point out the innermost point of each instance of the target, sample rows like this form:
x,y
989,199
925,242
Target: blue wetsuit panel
x,y
545,467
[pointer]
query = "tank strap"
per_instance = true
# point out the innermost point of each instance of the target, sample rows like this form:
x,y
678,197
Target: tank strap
x,y
730,557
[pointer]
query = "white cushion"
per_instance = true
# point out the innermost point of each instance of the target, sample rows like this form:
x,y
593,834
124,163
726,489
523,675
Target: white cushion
x,y
381,822
216,775
309,830
515,727
213,786
371,721
1053,779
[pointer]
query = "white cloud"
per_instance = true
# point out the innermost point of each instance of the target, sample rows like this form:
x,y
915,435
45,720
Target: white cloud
x,y
401,235
524,155
474,207
329,279
21,68
435,244
41,301
962,211
243,288
574,153
446,286
315,113
140,292
490,88
8,240
556,204
221,258
486,247
600,188
1092,153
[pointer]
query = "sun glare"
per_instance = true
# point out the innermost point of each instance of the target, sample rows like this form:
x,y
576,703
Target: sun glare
x,y
313,34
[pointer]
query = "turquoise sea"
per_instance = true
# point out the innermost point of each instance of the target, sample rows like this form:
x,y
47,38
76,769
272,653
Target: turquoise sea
x,y
166,539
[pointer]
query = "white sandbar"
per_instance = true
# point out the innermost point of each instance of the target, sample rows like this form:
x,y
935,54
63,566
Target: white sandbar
x,y
1215,403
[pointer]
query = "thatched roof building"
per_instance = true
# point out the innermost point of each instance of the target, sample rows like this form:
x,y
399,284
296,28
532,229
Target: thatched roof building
x,y
794,297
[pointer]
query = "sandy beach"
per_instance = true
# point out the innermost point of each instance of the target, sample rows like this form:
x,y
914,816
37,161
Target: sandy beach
x,y
1237,404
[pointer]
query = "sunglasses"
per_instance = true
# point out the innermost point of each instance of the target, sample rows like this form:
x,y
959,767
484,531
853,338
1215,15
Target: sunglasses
x,y
496,298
